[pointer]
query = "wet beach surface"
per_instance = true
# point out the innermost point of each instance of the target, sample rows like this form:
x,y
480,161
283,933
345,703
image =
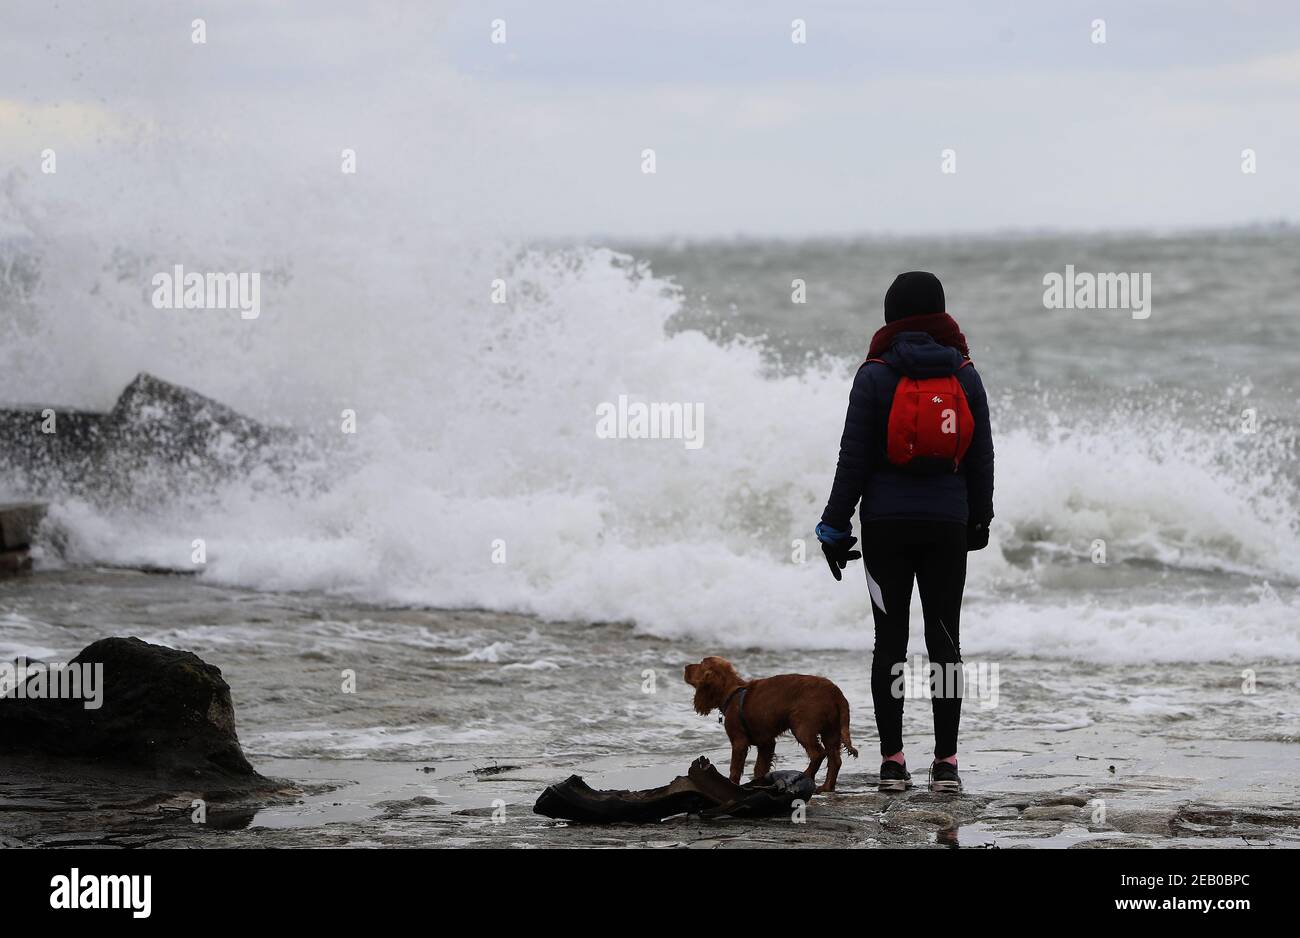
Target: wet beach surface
x,y
459,719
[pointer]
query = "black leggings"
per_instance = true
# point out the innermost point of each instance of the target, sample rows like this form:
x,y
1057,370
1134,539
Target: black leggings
x,y
934,553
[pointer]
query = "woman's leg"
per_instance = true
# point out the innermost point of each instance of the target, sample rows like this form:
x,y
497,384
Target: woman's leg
x,y
941,580
888,562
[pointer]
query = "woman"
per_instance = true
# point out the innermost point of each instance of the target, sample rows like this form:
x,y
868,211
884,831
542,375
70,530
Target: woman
x,y
917,452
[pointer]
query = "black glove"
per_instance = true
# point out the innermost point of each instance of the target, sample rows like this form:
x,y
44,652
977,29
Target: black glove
x,y
977,535
838,555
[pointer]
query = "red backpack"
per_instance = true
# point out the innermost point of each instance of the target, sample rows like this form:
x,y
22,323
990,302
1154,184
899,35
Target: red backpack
x,y
930,423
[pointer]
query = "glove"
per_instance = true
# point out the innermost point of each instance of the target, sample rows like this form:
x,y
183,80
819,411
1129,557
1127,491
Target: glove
x,y
836,546
977,535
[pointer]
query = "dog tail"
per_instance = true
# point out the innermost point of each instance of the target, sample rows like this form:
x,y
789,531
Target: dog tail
x,y
845,739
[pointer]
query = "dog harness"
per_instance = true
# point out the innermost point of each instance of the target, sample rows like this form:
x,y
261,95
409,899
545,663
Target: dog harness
x,y
740,708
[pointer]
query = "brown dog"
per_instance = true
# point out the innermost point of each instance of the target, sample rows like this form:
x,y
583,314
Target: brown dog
x,y
805,705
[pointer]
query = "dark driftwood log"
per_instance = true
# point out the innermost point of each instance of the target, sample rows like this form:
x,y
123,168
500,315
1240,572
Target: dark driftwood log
x,y
703,790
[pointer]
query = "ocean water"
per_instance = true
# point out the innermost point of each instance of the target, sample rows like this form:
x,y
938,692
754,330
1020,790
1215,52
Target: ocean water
x,y
476,424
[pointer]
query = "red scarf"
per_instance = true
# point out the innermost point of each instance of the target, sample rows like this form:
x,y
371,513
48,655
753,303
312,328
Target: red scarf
x,y
940,326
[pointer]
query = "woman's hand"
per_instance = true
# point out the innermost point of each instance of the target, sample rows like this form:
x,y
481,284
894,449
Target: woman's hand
x,y
836,546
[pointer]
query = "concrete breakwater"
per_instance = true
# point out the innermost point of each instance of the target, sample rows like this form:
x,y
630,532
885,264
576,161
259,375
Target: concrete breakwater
x,y
158,439
152,423
18,524
155,430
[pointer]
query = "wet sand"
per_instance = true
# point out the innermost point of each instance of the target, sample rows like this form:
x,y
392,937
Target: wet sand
x,y
1189,797
462,718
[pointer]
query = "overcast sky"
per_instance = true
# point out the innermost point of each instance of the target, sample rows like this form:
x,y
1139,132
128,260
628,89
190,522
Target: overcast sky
x,y
753,134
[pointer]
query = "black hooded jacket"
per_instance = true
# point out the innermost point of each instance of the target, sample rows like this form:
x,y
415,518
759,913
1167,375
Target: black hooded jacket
x,y
886,492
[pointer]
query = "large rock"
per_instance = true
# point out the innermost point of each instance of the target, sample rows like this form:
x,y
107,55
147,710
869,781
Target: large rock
x,y
68,453
153,419
162,711
18,524
158,436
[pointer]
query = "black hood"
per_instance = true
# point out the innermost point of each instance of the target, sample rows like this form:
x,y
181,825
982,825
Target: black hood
x,y
917,355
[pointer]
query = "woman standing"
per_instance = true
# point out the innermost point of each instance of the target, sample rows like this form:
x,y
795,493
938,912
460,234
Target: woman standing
x,y
917,452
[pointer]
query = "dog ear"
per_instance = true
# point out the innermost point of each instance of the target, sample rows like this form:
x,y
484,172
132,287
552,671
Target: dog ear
x,y
724,672
708,686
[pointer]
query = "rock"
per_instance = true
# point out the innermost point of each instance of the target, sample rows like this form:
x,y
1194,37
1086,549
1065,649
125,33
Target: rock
x,y
67,453
999,811
489,770
18,524
161,710
916,817
1052,813
155,419
1255,821
14,561
161,437
156,433
395,810
1155,821
1077,801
